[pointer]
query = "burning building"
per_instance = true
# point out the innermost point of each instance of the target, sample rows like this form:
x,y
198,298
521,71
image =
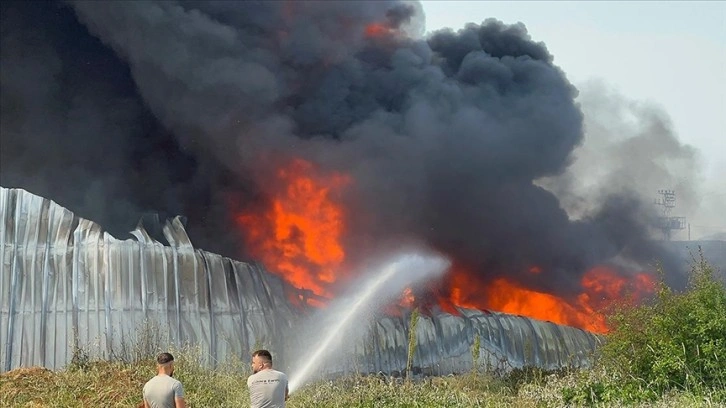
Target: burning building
x,y
312,136
68,286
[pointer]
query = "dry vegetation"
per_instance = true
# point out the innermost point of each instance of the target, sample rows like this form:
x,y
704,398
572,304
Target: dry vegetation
x,y
110,384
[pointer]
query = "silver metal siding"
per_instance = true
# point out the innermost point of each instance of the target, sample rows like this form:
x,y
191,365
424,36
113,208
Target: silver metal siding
x,y
64,283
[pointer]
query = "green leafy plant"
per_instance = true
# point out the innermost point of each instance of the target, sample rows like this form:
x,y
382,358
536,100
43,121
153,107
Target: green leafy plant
x,y
475,353
675,342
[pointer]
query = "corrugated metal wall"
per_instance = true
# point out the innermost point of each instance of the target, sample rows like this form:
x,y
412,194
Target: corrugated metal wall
x,y
64,283
444,344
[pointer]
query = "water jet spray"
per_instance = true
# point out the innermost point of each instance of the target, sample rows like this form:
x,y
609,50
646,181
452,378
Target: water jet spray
x,y
382,285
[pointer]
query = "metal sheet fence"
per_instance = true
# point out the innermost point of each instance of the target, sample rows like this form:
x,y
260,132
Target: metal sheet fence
x,y
444,344
67,285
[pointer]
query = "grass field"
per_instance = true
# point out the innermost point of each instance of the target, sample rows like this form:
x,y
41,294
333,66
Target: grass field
x,y
116,384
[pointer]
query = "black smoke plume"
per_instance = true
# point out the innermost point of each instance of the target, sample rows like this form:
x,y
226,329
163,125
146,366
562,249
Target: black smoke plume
x,y
118,108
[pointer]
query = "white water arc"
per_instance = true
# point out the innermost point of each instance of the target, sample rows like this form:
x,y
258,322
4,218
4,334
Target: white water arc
x,y
401,272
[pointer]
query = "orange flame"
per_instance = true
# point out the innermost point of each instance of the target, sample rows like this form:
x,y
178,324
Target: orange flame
x,y
601,286
404,303
376,30
298,237
407,298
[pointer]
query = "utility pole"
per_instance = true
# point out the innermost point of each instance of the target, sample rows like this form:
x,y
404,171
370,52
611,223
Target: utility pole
x,y
666,222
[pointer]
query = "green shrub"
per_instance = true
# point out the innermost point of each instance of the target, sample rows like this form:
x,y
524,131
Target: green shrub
x,y
675,342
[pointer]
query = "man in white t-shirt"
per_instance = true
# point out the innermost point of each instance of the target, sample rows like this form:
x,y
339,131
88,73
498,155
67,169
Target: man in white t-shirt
x,y
163,391
268,387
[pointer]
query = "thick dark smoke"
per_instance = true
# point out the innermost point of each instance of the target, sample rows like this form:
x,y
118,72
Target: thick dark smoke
x,y
74,129
186,107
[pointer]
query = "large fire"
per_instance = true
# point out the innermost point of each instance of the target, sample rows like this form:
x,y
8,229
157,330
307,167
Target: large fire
x,y
299,237
601,288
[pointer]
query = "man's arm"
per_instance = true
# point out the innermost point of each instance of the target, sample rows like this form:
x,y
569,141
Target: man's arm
x,y
287,393
145,404
179,396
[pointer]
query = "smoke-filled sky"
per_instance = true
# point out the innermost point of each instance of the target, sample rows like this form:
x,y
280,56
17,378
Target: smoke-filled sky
x,y
466,140
667,55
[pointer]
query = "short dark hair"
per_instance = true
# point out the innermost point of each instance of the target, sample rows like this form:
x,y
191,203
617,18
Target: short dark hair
x,y
164,358
264,354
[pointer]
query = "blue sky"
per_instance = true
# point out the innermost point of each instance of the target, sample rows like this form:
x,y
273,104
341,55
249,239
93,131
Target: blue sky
x,y
671,54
